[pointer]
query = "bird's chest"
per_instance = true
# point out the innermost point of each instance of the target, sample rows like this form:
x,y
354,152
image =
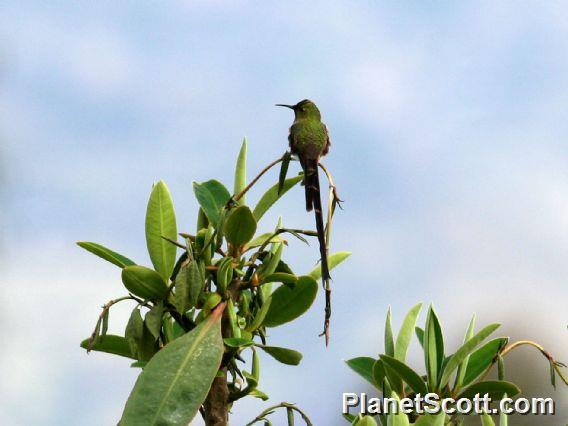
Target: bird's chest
x,y
307,138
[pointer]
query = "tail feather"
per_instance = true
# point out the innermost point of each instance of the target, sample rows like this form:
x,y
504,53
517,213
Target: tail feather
x,y
313,202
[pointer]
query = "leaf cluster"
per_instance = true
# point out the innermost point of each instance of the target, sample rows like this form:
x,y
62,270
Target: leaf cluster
x,y
208,297
460,374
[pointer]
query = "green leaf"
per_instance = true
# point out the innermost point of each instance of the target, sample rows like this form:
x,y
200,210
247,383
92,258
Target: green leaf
x,y
161,222
261,239
260,316
241,173
212,197
482,358
270,263
188,285
495,388
105,322
272,195
406,373
466,349
240,226
363,366
144,282
281,277
379,374
283,170
333,260
134,331
175,382
289,303
431,420
153,320
258,394
405,332
486,420
463,366
503,418
111,344
366,421
419,335
389,339
398,419
213,299
283,355
237,342
106,254
433,347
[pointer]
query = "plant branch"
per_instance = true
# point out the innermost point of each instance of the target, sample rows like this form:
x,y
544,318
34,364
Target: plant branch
x,y
287,406
252,182
104,312
553,363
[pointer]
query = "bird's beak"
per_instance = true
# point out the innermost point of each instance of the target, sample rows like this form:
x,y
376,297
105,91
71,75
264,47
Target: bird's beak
x,y
287,106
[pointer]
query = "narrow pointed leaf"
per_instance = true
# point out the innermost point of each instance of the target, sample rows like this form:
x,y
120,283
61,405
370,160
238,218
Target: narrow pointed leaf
x,y
260,316
405,332
419,335
283,170
175,382
241,173
482,358
463,366
466,349
407,374
106,254
289,303
333,260
263,238
271,196
363,366
161,222
495,388
389,339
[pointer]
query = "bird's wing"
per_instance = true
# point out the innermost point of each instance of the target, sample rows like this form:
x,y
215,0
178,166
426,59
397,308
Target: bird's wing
x,y
292,141
327,141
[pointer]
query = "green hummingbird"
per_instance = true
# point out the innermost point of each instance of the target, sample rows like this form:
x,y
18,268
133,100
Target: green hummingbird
x,y
309,141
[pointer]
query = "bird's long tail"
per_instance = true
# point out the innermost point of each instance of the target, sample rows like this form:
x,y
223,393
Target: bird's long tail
x,y
313,201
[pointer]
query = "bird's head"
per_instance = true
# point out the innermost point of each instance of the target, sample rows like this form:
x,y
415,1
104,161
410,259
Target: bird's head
x,y
304,109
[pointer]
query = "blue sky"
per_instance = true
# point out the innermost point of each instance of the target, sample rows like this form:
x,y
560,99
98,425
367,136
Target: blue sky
x,y
448,124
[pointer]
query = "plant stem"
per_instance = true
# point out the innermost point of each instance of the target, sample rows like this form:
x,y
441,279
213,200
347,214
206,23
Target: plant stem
x,y
535,345
106,308
252,182
286,405
216,405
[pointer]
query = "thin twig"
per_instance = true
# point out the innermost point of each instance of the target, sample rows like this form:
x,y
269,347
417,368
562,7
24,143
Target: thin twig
x,y
252,182
555,364
106,308
333,200
174,242
287,405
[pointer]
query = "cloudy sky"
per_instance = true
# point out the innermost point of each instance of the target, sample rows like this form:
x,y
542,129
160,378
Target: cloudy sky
x,y
449,131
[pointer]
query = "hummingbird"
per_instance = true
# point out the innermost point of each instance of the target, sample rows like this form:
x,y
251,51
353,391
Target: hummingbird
x,y
309,141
